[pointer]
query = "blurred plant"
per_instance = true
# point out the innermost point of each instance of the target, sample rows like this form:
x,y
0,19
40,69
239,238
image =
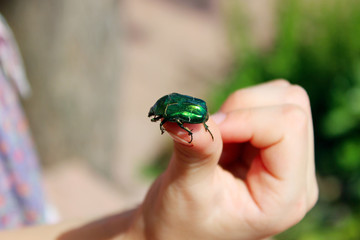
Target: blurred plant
x,y
318,47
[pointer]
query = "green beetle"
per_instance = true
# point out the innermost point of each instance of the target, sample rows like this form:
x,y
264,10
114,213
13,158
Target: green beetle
x,y
181,109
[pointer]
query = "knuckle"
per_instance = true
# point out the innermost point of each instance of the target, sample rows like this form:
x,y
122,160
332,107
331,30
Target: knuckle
x,y
313,197
283,215
295,116
297,95
236,97
300,209
292,213
280,82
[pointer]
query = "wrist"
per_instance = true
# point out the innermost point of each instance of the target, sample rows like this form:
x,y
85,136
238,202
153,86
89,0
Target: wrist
x,y
135,226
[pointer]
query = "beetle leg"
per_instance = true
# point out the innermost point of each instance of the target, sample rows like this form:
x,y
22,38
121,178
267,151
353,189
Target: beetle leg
x,y
207,129
155,119
162,129
185,128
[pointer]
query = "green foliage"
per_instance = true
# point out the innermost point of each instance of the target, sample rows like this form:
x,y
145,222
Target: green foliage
x,y
317,47
325,224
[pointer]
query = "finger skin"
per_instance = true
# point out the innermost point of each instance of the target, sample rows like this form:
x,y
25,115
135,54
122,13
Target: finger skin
x,y
274,93
268,201
266,129
276,176
195,161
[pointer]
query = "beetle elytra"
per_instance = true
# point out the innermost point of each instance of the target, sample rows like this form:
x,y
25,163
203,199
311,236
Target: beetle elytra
x,y
181,109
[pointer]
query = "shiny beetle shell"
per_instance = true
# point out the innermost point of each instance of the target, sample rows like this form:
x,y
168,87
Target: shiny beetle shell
x,y
181,109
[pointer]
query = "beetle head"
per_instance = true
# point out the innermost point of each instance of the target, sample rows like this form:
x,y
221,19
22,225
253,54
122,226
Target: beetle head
x,y
151,112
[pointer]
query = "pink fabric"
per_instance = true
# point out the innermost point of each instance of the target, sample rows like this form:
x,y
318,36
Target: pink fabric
x,y
21,194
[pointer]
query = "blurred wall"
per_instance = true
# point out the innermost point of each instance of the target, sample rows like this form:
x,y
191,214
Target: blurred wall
x,y
71,50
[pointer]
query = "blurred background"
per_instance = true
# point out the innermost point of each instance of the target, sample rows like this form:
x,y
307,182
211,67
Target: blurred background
x,y
96,67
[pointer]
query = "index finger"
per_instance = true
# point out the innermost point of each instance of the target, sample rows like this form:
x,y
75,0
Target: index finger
x,y
278,93
281,135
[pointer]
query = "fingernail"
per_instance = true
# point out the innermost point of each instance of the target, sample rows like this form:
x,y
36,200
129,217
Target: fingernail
x,y
218,117
178,138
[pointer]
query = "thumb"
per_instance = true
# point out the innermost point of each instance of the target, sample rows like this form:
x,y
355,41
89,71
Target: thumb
x,y
195,161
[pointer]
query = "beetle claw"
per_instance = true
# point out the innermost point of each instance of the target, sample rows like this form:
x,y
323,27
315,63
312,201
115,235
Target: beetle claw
x,y
162,129
208,130
191,137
